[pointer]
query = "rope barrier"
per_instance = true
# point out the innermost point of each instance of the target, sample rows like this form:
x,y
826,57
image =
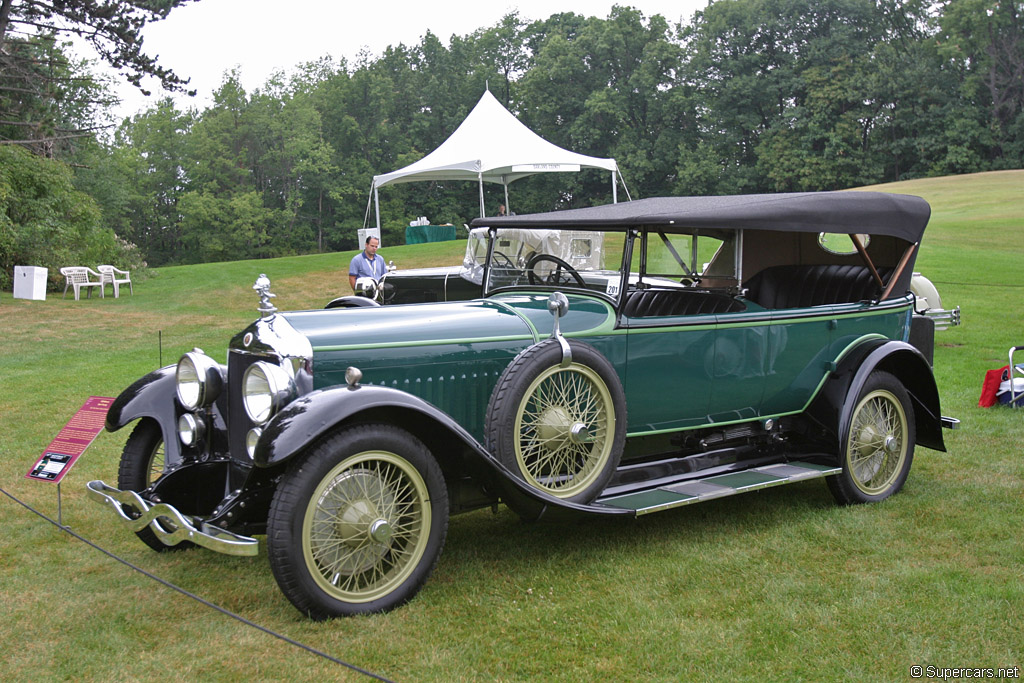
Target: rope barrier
x,y
195,597
976,284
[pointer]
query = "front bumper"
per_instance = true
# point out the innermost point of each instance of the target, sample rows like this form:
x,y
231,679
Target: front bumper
x,y
169,525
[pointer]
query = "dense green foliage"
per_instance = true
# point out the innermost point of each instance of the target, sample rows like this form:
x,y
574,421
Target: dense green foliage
x,y
748,96
45,221
52,106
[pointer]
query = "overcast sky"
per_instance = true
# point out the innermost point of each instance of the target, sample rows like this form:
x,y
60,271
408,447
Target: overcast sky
x,y
205,39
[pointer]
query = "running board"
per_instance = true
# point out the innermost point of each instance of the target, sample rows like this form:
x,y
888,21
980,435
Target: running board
x,y
690,491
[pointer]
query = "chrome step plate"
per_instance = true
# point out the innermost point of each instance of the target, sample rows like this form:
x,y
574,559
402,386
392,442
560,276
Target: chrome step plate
x,y
691,491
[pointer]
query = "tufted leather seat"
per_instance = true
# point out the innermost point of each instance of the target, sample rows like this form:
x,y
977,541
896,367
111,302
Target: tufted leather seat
x,y
660,302
802,286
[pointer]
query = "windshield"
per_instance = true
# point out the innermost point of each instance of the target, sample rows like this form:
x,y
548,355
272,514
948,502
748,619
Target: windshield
x,y
592,260
557,258
476,254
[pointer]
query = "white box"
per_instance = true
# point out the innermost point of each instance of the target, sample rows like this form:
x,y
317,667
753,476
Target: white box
x,y
366,232
30,283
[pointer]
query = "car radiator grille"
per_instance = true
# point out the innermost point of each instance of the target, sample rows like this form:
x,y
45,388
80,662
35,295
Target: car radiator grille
x,y
239,423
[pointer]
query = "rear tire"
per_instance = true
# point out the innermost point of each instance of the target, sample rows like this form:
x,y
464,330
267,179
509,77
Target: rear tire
x,y
878,447
357,526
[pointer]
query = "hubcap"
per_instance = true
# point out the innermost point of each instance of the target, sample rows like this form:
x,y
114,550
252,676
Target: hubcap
x,y
361,522
877,444
563,427
366,527
380,531
553,427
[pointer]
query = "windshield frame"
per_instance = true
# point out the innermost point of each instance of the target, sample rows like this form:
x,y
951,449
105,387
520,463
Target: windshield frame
x,y
615,277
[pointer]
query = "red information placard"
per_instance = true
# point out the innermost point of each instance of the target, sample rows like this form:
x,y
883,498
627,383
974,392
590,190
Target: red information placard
x,y
80,431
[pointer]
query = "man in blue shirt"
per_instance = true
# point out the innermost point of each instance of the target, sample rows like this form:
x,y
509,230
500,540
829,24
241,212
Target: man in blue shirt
x,y
366,263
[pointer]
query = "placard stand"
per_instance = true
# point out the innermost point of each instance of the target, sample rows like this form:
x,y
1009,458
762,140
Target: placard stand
x,y
64,451
60,512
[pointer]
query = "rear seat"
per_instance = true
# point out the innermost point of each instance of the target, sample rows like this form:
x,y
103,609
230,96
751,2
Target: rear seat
x,y
661,302
801,286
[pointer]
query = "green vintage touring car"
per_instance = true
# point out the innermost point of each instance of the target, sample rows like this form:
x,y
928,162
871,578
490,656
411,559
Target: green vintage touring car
x,y
706,346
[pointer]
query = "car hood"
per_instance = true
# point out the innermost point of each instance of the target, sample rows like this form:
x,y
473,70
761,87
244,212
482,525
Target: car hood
x,y
409,325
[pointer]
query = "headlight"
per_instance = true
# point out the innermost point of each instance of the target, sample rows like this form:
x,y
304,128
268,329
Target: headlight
x,y
251,439
190,430
366,286
199,380
266,389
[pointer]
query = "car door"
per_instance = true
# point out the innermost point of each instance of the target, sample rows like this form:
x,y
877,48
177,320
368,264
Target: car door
x,y
669,371
798,356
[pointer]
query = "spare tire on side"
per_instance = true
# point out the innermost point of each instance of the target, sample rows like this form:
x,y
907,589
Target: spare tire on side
x,y
560,429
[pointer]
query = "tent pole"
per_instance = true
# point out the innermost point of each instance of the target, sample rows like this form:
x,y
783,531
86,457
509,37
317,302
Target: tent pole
x,y
615,190
508,209
376,206
481,177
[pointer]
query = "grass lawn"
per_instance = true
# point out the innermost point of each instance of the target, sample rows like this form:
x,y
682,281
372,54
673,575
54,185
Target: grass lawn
x,y
781,584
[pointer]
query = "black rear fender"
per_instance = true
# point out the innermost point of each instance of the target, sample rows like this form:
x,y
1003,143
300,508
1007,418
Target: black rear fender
x,y
832,408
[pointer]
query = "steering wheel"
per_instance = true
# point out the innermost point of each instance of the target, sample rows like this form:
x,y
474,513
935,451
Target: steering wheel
x,y
500,259
555,277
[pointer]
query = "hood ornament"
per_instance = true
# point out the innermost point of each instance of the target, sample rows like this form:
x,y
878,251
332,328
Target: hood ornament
x,y
262,286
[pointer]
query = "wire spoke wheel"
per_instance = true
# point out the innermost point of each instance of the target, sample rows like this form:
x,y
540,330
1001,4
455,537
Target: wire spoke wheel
x,y
356,525
156,464
143,462
879,443
562,430
559,429
365,527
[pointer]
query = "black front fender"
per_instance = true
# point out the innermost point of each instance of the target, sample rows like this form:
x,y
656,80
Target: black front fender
x,y
150,396
833,407
311,416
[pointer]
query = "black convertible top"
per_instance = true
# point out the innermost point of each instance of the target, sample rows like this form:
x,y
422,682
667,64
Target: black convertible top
x,y
874,213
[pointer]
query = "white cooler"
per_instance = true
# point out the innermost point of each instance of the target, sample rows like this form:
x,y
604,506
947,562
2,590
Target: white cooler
x,y
30,283
366,232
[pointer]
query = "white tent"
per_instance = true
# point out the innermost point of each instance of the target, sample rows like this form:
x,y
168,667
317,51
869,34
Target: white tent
x,y
491,145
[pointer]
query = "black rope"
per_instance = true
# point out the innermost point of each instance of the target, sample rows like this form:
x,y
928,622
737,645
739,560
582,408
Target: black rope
x,y
195,597
976,284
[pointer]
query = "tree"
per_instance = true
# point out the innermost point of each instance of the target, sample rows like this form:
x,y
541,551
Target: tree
x,y
45,221
114,29
154,154
47,102
985,40
46,99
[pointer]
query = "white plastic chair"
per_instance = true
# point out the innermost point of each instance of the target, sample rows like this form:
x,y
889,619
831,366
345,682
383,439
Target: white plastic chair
x,y
1013,383
81,276
116,277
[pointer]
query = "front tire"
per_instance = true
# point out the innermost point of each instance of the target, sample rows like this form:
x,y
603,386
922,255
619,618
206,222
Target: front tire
x,y
358,525
878,447
142,463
